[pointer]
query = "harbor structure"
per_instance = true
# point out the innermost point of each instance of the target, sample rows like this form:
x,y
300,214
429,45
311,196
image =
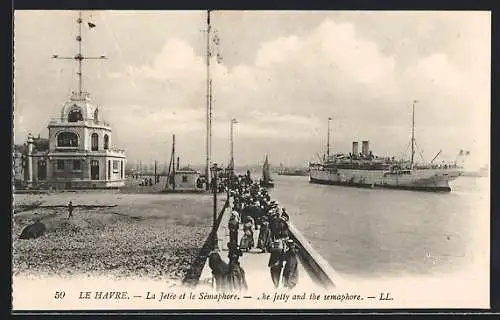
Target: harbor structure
x,y
185,179
79,152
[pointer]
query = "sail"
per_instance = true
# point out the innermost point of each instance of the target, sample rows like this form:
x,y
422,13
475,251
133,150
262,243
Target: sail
x,y
265,171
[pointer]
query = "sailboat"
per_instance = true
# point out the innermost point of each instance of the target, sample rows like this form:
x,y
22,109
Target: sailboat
x,y
266,181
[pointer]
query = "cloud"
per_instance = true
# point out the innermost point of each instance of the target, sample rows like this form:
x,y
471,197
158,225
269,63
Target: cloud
x,y
296,80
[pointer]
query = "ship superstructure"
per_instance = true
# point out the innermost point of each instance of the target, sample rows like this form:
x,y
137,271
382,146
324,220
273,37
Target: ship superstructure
x,y
364,169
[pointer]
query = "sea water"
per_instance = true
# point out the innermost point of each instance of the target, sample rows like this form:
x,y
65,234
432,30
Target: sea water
x,y
379,233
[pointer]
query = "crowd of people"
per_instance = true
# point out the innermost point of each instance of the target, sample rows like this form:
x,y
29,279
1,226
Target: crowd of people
x,y
252,210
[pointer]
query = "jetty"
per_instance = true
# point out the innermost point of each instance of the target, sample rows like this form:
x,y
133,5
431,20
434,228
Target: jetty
x,y
314,273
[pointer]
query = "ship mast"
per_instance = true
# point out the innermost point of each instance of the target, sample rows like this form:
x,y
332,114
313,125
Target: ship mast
x,y
328,139
79,57
231,156
413,133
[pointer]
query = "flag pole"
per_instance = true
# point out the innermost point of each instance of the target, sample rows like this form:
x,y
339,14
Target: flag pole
x,y
209,107
79,56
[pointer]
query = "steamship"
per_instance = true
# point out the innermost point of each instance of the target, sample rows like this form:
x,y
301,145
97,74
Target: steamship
x,y
369,171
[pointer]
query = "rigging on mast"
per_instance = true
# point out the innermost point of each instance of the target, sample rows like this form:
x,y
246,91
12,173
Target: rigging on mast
x,y
79,57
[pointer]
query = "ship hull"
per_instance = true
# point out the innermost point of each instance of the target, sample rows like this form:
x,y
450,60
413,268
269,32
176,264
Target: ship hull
x,y
432,180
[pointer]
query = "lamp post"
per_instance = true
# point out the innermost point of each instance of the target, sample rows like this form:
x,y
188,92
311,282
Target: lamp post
x,y
231,160
214,186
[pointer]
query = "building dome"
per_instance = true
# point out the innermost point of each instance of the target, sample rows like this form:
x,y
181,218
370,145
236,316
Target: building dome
x,y
79,109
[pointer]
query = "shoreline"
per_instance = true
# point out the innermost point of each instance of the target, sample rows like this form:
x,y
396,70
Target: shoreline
x,y
137,235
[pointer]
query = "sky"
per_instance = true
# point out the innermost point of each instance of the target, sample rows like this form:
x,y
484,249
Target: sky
x,y
282,74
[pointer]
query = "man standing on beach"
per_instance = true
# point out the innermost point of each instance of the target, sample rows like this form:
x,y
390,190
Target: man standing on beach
x,y
70,209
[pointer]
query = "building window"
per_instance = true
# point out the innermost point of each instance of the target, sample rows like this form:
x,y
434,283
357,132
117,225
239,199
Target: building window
x,y
94,170
106,142
109,169
94,141
116,165
67,139
77,165
60,164
96,116
184,178
75,114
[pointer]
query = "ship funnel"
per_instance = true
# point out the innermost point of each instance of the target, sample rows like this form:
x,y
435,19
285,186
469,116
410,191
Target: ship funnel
x,y
365,147
355,147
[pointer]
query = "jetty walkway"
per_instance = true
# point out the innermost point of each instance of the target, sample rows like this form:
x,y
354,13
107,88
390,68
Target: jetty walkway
x,y
313,272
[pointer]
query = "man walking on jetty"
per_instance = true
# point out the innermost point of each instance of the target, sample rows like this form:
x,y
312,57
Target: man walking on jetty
x,y
264,240
276,262
70,209
219,268
291,271
236,280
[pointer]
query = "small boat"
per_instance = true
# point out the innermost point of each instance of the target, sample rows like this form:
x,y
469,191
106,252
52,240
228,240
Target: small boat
x,y
266,181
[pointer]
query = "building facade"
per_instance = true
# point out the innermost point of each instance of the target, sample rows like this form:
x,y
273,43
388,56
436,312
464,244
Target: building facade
x,y
80,153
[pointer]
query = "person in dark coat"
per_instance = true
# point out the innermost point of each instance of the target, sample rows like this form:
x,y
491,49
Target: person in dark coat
x,y
233,226
219,268
276,262
290,271
235,279
258,214
284,215
264,240
247,241
283,229
275,226
70,209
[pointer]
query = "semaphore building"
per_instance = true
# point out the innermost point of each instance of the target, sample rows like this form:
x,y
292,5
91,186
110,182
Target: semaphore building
x,y
79,152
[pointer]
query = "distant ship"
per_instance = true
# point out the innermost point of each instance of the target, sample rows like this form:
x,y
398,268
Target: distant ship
x,y
292,172
481,173
369,171
296,172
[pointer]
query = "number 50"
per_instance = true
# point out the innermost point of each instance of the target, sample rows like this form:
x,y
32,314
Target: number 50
x,y
59,295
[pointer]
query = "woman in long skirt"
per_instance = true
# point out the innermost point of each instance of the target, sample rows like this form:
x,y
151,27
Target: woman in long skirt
x,y
264,241
247,241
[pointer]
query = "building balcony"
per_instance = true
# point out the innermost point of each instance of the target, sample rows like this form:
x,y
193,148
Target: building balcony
x,y
75,151
88,122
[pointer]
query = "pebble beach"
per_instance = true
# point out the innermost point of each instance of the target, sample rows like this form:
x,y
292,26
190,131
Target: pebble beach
x,y
153,236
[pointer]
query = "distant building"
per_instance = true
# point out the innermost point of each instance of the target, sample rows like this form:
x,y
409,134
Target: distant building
x,y
79,152
186,179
